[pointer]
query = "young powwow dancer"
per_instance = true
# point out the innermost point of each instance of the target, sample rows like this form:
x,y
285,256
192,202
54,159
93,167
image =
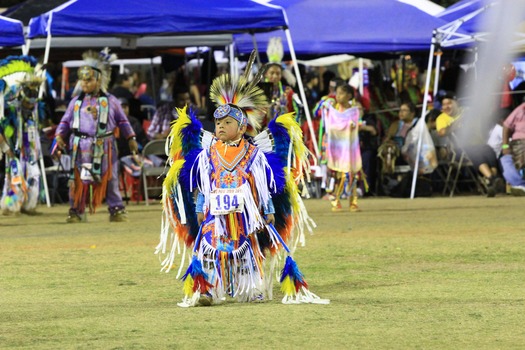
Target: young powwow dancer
x,y
343,154
248,209
89,124
20,140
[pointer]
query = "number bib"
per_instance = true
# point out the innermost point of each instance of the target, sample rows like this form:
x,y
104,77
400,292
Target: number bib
x,y
226,200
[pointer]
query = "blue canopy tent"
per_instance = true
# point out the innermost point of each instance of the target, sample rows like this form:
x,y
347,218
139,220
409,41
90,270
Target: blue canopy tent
x,y
160,17
11,32
134,18
351,26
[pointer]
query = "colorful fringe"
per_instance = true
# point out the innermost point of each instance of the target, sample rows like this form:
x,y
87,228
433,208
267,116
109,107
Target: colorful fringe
x,y
195,279
292,278
294,286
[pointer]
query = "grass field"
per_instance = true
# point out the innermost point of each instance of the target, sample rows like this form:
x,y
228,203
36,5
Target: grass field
x,y
432,273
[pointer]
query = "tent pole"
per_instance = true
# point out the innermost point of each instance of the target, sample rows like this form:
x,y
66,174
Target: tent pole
x,y
233,70
152,76
361,83
436,74
421,122
40,95
301,91
26,47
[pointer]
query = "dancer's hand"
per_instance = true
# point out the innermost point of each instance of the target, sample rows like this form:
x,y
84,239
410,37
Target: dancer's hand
x,y
270,219
200,218
60,142
133,145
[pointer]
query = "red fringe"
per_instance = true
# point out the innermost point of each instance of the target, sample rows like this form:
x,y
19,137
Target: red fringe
x,y
200,283
80,191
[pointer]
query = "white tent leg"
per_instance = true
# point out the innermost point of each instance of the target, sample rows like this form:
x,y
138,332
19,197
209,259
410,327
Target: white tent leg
x,y
361,82
422,123
436,75
40,95
26,47
301,91
233,67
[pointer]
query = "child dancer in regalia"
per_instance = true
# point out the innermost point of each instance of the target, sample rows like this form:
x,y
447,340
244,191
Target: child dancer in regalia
x,y
342,151
247,206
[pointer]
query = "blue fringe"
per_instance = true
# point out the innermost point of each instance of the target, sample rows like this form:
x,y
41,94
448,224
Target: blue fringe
x,y
276,167
281,140
291,269
185,171
195,269
191,134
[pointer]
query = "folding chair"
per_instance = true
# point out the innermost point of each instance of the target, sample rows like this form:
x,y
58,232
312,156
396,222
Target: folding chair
x,y
154,147
457,166
148,110
57,174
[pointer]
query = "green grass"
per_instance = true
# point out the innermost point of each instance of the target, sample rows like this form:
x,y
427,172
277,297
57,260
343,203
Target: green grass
x,y
434,273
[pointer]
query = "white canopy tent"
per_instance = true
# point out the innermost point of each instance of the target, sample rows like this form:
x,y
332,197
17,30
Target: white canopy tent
x,y
463,32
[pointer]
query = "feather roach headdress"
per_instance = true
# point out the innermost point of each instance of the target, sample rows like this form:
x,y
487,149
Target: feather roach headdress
x,y
240,99
98,65
14,71
275,51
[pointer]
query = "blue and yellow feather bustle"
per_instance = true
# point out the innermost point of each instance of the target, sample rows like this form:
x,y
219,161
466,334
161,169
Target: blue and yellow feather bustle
x,y
184,146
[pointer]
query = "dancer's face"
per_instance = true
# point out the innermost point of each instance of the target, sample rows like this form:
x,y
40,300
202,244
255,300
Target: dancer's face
x,y
227,129
90,85
273,74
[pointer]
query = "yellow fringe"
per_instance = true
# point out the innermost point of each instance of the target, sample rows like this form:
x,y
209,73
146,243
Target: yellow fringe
x,y
188,286
173,174
291,187
288,121
175,134
287,286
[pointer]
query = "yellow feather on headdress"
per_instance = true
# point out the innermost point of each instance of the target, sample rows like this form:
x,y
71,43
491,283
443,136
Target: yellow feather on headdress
x,y
242,93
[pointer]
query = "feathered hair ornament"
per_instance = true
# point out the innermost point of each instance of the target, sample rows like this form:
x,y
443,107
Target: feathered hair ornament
x,y
275,51
240,99
97,65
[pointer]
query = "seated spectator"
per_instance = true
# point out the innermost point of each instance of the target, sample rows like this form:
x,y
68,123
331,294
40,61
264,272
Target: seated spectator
x,y
398,129
122,143
513,150
440,142
390,149
480,154
161,122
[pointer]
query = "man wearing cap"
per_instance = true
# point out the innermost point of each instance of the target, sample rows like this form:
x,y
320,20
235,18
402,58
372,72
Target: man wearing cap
x,y
87,131
480,154
164,116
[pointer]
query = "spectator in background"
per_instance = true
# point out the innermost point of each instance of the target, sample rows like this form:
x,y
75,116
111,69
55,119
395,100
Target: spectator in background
x,y
482,155
140,135
122,87
161,122
368,141
311,89
512,149
399,128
